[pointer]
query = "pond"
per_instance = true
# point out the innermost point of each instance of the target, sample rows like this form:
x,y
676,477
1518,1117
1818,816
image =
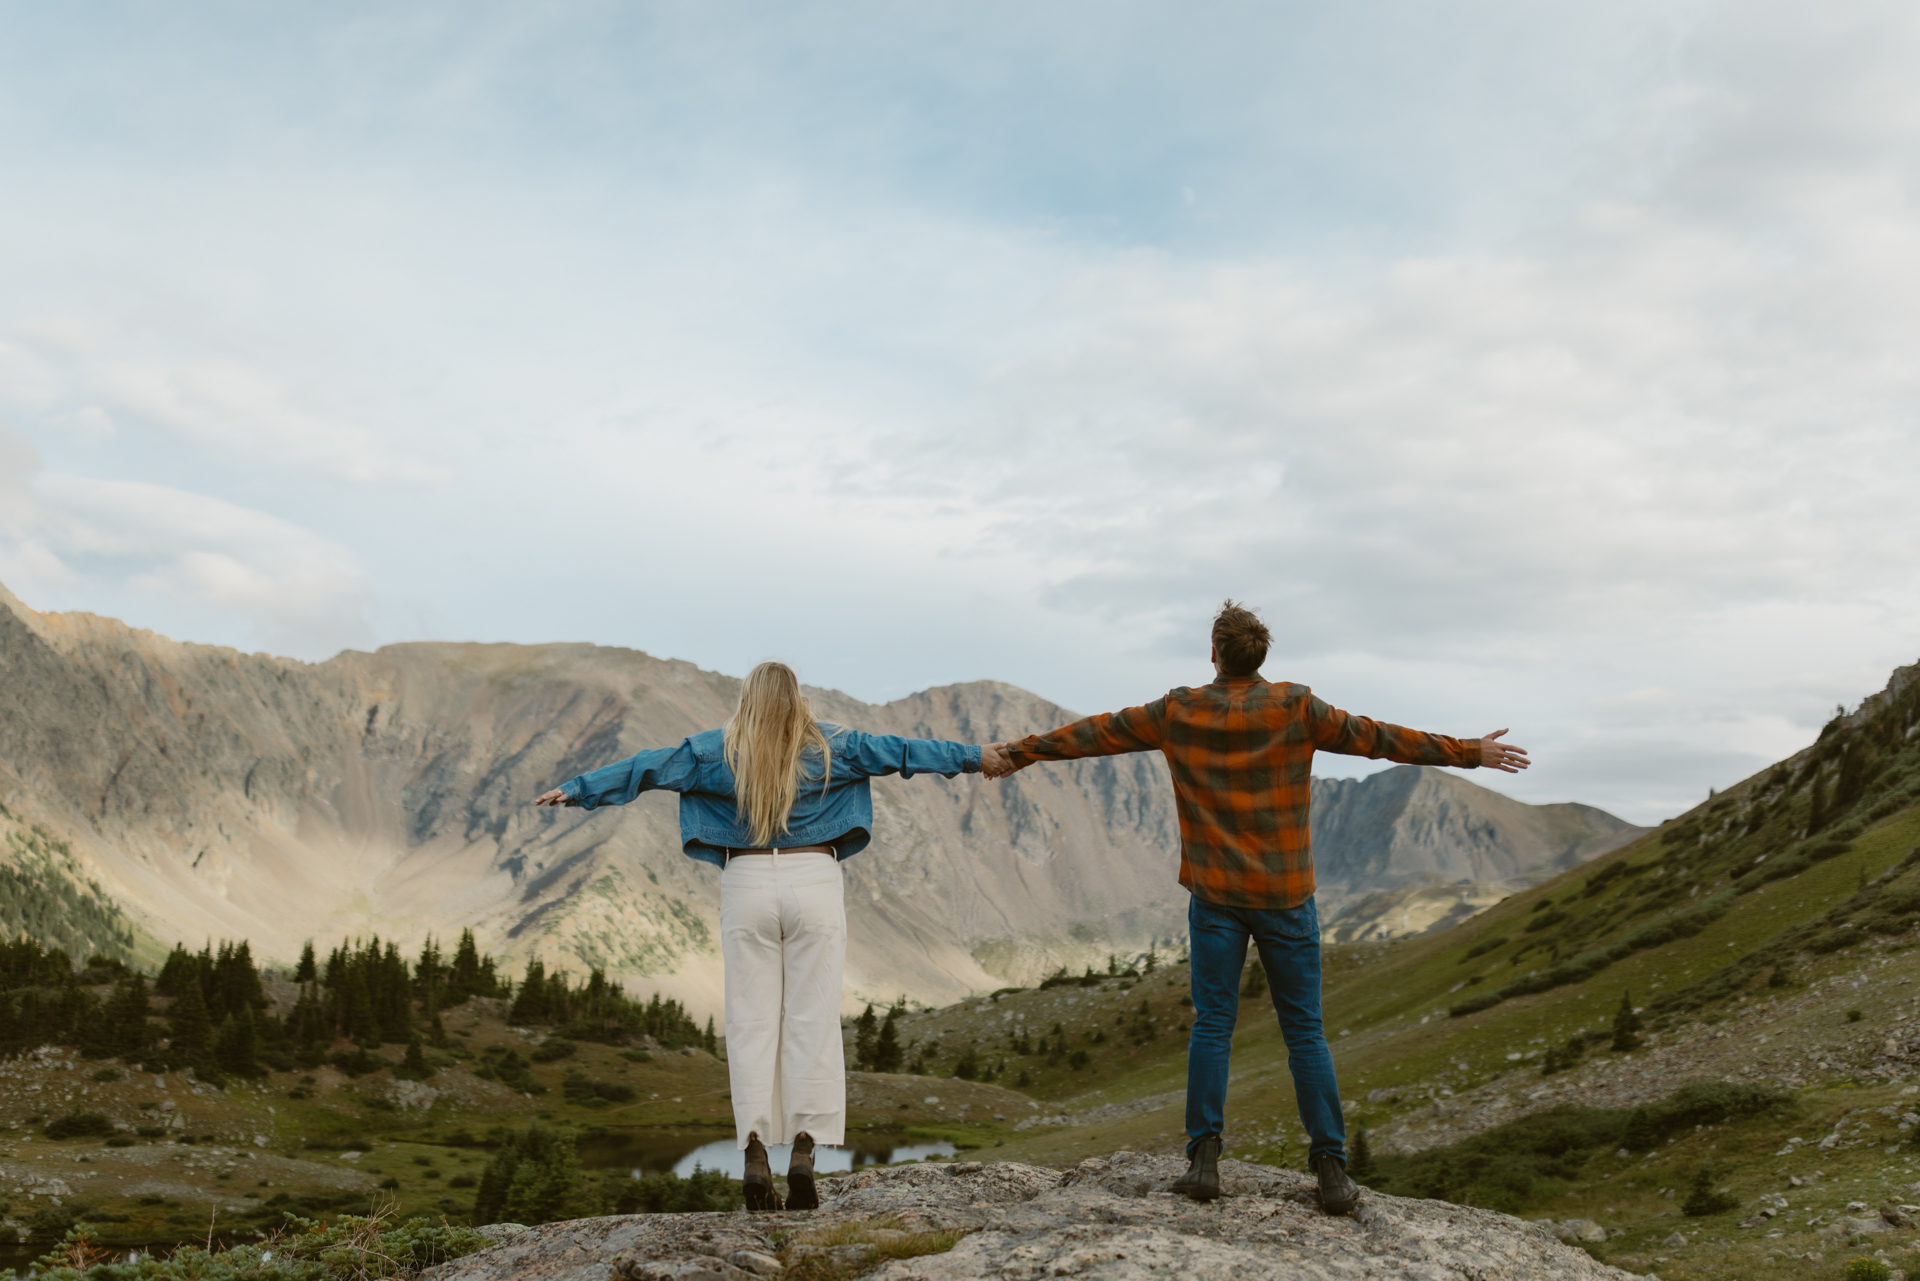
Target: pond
x,y
656,1151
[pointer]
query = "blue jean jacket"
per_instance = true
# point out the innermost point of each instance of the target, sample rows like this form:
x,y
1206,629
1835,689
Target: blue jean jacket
x,y
840,814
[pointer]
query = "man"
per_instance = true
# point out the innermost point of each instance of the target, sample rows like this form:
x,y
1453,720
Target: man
x,y
1241,751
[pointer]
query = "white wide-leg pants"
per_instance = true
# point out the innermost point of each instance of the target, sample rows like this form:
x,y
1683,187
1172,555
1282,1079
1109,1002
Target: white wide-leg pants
x,y
783,939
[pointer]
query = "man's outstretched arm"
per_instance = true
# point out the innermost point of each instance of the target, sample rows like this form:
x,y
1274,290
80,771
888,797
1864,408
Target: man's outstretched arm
x,y
1137,729
1336,731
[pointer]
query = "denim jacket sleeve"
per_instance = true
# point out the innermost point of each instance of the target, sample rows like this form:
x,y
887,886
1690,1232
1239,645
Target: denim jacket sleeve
x,y
865,755
665,769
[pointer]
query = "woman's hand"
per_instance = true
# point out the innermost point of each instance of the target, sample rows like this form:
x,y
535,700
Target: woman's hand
x,y
555,797
995,762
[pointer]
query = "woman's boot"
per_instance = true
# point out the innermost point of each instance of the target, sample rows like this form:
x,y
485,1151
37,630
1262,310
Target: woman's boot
x,y
758,1178
800,1190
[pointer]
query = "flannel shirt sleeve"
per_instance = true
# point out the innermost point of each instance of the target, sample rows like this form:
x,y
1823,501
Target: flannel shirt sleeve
x,y
1137,729
1336,731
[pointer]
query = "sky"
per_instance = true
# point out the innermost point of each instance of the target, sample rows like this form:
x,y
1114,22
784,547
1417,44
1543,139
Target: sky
x,y
1541,367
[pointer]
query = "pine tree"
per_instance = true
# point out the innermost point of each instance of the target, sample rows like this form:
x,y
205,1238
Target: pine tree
x,y
127,1010
865,1029
233,1050
414,1066
711,1041
1360,1159
531,1005
306,971
1817,807
1625,1024
437,1033
189,1025
887,1054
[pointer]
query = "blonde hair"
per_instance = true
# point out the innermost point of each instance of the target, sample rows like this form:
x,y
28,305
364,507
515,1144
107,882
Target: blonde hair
x,y
764,745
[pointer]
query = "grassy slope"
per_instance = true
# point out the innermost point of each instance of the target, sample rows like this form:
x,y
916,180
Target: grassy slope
x,y
1399,1050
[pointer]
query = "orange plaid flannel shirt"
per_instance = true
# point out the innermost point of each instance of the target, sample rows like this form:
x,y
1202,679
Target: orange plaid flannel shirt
x,y
1241,751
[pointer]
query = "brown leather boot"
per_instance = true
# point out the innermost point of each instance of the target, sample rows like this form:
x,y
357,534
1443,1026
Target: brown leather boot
x,y
801,1194
758,1178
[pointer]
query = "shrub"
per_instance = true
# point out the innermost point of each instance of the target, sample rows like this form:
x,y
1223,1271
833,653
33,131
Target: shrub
x,y
349,1247
79,1125
703,1190
1079,1059
584,1090
553,1050
1483,947
1533,1158
1867,1270
359,1062
1702,1103
107,1075
534,1178
1703,1199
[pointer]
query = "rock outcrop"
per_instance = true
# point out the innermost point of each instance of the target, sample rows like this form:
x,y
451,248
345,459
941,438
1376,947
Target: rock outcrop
x,y
1108,1217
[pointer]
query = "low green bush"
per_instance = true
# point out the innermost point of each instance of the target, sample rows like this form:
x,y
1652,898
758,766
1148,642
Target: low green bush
x,y
553,1050
79,1125
703,1190
1533,1158
347,1249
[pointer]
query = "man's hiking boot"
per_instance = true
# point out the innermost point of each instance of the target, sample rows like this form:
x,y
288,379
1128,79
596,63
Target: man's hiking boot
x,y
1338,1193
800,1190
1202,1179
758,1178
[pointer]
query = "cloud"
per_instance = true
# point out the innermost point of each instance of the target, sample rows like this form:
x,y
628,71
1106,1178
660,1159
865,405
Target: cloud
x,y
88,382
200,564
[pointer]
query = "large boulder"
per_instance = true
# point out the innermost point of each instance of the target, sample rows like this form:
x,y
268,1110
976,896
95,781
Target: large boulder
x,y
1110,1217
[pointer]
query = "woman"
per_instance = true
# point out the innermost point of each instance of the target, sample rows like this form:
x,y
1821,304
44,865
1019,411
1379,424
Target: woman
x,y
776,800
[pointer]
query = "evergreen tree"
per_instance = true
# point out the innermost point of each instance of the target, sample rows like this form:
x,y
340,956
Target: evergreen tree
x,y
233,1050
414,1066
306,971
126,1015
865,1029
711,1041
395,999
1817,806
437,1033
189,1025
887,1054
531,1005
1625,1024
1360,1159
179,963
464,976
534,1178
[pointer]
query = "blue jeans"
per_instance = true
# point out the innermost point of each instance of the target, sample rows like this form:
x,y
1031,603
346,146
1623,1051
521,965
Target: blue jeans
x,y
1289,943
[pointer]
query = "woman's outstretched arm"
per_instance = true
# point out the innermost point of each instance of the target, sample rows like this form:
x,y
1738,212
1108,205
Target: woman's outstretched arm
x,y
665,769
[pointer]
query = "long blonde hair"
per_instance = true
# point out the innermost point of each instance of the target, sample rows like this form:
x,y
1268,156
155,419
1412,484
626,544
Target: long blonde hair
x,y
764,743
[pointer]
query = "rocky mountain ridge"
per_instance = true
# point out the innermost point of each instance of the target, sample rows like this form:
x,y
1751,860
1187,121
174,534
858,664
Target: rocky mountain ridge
x,y
212,793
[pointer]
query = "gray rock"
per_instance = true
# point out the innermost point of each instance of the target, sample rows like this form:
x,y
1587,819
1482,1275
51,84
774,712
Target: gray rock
x,y
1109,1216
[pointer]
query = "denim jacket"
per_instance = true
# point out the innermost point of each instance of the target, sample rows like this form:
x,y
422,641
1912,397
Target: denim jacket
x,y
840,814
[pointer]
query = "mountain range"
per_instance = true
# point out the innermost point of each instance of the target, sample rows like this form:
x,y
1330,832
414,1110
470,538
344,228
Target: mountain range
x,y
155,791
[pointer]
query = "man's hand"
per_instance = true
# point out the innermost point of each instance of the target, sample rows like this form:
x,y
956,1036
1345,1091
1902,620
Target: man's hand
x,y
555,797
994,761
1502,756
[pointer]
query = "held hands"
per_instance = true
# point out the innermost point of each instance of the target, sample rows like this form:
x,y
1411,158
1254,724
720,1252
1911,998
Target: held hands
x,y
994,761
1502,756
554,797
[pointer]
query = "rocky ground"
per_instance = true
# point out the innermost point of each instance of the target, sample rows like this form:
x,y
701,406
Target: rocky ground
x,y
1109,1216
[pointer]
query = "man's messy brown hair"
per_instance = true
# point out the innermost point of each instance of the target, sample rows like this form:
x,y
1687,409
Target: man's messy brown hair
x,y
1240,640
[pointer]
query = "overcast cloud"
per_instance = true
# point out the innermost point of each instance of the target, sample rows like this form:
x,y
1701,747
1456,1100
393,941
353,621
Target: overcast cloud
x,y
1527,367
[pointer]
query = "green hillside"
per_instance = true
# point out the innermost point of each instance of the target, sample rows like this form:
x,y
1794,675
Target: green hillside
x,y
1766,937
